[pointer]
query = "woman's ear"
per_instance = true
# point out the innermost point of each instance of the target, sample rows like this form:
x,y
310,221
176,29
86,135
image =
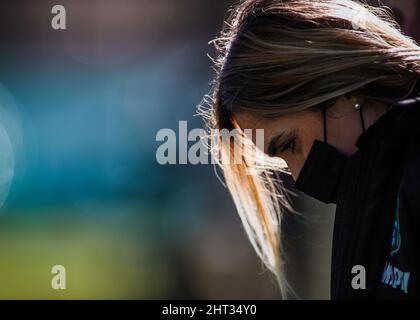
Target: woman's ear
x,y
343,106
355,100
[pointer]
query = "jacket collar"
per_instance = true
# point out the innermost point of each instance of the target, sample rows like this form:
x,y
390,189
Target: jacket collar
x,y
402,118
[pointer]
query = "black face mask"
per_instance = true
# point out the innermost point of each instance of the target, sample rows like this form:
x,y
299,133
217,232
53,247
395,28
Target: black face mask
x,y
322,170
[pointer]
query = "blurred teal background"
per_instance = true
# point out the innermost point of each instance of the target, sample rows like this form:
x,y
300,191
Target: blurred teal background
x,y
79,182
79,112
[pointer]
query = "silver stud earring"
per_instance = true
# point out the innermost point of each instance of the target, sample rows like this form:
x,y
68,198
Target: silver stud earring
x,y
358,106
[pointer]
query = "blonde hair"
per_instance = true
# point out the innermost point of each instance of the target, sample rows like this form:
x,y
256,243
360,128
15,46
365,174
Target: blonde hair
x,y
277,57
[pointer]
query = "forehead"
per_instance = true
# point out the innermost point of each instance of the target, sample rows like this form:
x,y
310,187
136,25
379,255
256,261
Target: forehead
x,y
300,122
270,126
248,120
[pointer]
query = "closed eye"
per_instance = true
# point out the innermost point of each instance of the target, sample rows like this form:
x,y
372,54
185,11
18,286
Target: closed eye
x,y
289,145
282,143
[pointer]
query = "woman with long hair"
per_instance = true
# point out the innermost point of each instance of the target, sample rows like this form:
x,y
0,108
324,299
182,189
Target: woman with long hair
x,y
333,84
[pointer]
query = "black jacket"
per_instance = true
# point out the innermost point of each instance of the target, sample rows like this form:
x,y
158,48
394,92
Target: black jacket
x,y
377,223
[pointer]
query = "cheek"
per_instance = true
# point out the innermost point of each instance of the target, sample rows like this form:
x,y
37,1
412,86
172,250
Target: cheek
x,y
296,160
309,130
307,142
295,163
306,148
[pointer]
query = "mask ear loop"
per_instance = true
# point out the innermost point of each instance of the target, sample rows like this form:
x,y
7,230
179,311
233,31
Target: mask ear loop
x,y
362,120
324,118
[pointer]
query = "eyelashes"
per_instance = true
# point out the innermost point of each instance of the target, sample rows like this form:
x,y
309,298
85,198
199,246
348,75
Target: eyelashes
x,y
285,142
289,145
